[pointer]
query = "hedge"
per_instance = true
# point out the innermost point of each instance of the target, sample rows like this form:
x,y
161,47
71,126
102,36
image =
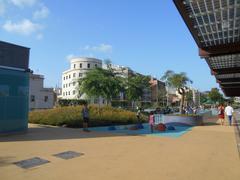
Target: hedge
x,y
72,117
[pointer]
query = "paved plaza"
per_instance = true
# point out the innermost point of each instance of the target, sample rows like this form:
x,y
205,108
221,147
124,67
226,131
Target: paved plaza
x,y
206,152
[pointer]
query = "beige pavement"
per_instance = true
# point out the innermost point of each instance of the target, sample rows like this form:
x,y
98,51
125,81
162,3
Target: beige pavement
x,y
205,153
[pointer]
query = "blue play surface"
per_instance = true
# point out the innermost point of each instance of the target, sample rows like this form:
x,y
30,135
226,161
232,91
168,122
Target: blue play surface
x,y
179,131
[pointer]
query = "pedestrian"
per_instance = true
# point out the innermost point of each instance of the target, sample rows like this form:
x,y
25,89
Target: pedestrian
x,y
85,115
229,112
151,121
138,115
221,116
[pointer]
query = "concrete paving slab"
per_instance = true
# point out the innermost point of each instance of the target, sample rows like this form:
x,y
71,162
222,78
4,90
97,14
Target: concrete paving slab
x,y
207,152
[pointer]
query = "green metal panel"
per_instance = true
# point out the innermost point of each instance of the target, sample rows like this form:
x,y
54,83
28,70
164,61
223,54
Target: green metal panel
x,y
14,92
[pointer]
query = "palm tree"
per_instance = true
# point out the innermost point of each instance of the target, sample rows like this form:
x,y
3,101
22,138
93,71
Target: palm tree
x,y
178,81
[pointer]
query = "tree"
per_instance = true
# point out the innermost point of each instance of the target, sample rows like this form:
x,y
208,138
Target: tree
x,y
100,83
162,96
215,96
135,87
108,63
203,98
178,81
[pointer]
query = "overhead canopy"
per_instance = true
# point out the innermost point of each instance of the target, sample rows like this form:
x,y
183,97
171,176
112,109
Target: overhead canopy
x,y
215,26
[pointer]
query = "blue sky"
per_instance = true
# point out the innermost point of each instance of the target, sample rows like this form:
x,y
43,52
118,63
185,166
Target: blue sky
x,y
148,36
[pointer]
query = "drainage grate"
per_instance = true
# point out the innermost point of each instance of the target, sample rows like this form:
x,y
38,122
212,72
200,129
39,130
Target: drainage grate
x,y
30,163
68,155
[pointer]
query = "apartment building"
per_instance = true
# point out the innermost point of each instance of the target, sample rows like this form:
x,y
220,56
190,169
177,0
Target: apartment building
x,y
78,69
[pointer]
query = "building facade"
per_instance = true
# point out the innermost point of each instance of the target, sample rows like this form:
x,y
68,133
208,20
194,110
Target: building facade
x,y
14,88
158,91
121,71
39,97
78,69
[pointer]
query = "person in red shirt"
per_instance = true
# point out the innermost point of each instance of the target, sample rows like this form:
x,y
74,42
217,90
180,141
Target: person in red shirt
x,y
221,116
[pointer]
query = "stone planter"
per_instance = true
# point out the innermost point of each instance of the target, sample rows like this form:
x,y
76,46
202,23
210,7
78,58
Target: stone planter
x,y
183,120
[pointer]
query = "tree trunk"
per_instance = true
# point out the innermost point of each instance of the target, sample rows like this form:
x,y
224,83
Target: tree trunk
x,y
181,91
133,103
182,103
99,106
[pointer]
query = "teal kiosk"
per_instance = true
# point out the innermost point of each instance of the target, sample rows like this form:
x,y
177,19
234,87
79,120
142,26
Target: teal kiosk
x,y
14,88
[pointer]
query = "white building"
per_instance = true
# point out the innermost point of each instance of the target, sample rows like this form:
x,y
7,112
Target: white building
x,y
39,97
78,69
237,99
121,71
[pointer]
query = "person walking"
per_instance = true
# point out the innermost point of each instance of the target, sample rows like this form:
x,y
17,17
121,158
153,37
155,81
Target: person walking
x,y
85,115
229,112
221,116
138,114
151,121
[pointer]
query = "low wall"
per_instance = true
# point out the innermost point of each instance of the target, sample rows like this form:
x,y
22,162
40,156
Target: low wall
x,y
183,120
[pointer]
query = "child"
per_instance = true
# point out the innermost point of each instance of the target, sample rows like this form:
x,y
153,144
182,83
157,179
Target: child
x,y
151,121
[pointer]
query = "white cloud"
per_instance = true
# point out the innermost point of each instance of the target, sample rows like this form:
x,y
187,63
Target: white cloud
x,y
2,7
42,13
39,36
105,48
24,27
23,3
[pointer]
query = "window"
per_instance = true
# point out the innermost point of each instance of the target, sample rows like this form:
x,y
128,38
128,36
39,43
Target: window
x,y
74,83
66,85
88,65
69,84
64,78
74,74
63,93
73,92
32,98
69,93
45,98
63,85
95,65
74,66
69,76
80,65
80,74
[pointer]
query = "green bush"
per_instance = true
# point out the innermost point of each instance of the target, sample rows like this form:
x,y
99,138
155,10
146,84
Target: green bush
x,y
72,117
71,102
123,104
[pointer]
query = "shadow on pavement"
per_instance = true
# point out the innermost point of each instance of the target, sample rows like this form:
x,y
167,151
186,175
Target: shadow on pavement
x,y
54,133
6,161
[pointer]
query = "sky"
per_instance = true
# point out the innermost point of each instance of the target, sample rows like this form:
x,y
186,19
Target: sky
x,y
150,37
